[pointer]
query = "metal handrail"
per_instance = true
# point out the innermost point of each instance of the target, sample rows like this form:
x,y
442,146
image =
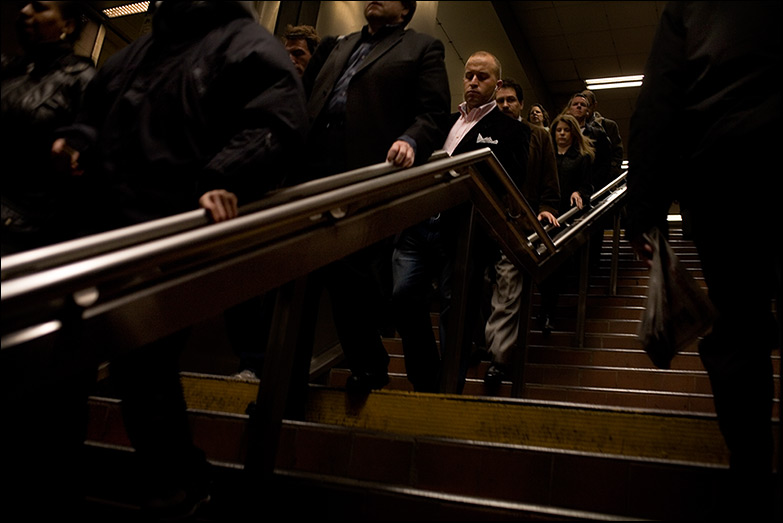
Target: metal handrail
x,y
128,297
306,207
93,245
566,216
79,280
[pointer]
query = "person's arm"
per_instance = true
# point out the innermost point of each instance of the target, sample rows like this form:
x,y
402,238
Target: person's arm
x,y
617,151
656,138
430,126
585,177
549,190
263,95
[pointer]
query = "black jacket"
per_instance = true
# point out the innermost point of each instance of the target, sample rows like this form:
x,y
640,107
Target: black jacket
x,y
512,142
206,101
574,172
708,112
40,92
401,88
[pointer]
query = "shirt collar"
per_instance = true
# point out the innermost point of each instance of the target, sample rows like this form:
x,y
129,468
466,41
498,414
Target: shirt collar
x,y
477,113
383,31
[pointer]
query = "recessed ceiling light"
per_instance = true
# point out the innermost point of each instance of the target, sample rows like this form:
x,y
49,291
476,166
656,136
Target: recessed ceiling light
x,y
615,82
127,9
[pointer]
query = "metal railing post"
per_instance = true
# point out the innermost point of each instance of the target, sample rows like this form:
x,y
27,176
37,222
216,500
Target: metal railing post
x,y
613,275
458,325
584,277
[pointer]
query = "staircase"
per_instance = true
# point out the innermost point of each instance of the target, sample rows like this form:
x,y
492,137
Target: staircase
x,y
611,369
599,434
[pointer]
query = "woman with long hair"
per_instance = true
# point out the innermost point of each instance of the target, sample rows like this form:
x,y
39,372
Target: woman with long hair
x,y
575,154
538,116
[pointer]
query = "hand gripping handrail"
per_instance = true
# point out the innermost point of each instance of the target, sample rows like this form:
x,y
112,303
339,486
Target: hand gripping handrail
x,y
80,248
80,280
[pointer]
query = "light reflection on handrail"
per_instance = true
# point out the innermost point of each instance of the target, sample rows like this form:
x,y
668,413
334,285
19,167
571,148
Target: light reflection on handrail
x,y
563,218
560,239
72,276
93,245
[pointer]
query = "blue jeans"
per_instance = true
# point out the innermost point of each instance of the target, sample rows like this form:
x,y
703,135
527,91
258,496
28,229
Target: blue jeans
x,y
422,267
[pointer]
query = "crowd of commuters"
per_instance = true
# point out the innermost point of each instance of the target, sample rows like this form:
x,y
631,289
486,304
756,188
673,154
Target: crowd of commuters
x,y
210,110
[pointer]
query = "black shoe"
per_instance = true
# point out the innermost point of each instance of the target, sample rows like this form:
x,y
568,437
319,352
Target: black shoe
x,y
178,504
364,382
496,374
547,328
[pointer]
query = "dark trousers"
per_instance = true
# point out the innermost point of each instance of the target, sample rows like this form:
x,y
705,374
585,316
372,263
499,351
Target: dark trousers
x,y
737,353
248,325
44,416
154,412
359,287
422,265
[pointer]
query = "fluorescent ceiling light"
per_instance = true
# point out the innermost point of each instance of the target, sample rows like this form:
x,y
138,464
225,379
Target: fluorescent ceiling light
x,y
127,9
615,82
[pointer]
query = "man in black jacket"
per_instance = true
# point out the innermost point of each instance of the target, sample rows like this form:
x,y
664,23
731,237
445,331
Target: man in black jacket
x,y
709,107
428,250
383,91
381,95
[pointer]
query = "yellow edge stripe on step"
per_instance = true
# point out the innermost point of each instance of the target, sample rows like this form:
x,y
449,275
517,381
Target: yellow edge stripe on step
x,y
491,420
653,436
218,393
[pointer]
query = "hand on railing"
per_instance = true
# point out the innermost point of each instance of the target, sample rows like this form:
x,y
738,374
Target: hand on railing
x,y
576,200
401,154
549,217
221,204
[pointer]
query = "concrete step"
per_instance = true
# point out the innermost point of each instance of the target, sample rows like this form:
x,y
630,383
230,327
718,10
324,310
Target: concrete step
x,y
611,365
607,463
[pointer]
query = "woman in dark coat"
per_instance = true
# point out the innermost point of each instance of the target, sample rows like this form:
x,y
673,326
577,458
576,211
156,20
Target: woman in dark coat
x,y
42,89
575,154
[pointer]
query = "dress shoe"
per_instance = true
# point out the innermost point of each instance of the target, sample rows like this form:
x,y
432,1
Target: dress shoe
x,y
364,382
245,375
496,374
547,327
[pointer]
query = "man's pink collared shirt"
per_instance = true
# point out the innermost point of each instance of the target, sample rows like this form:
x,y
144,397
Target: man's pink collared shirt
x,y
465,122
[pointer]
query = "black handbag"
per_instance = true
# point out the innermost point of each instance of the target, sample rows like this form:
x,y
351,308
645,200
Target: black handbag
x,y
678,310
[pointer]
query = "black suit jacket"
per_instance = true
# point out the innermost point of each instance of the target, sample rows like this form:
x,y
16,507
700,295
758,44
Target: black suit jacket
x,y
401,88
512,137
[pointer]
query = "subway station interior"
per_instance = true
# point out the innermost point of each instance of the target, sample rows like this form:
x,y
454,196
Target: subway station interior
x,y
583,425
